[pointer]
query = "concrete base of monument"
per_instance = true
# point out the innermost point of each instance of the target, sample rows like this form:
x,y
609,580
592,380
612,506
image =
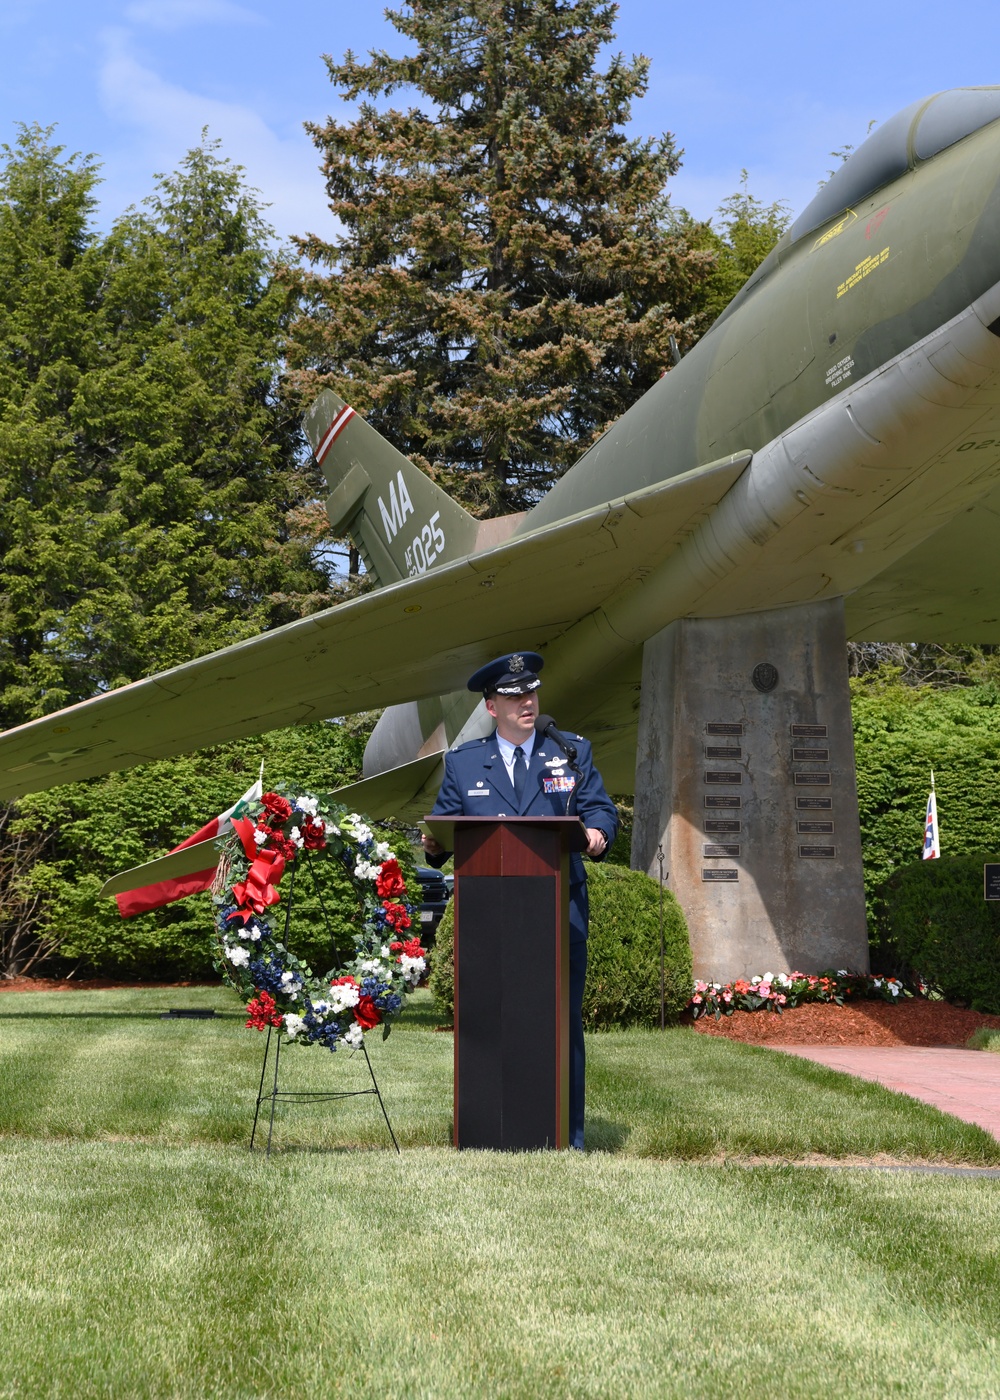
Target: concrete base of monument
x,y
745,775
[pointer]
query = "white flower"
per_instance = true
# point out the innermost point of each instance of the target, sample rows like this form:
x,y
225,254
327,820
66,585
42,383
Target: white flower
x,y
239,957
413,968
255,932
371,965
383,851
293,1024
320,1008
386,951
307,805
259,836
364,870
354,1036
343,997
295,836
332,830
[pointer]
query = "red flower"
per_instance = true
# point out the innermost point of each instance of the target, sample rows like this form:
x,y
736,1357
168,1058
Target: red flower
x,y
413,949
366,1013
390,883
279,807
396,916
263,1012
314,834
343,982
283,846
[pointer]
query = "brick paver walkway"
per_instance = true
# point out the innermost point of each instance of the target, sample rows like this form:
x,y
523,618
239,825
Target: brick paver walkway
x,y
963,1082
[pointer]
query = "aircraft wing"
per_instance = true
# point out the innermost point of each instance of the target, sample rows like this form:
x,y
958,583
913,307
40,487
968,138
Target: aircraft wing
x,y
417,638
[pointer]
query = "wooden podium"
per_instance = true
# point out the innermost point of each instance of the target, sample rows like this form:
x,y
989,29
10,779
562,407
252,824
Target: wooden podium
x,y
511,977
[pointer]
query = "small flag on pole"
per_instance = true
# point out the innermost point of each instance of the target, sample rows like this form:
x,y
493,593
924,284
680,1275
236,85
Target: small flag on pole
x,y
932,841
167,891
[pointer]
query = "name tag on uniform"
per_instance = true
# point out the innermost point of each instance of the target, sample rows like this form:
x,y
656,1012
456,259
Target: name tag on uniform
x,y
560,783
478,792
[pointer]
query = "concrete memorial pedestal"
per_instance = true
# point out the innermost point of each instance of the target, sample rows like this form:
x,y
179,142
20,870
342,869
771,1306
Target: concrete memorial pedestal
x,y
745,773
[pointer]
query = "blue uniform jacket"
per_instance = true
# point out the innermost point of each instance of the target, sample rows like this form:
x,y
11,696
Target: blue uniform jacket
x,y
476,784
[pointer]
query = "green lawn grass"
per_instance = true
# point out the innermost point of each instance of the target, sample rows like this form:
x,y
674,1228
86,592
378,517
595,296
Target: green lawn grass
x,y
146,1253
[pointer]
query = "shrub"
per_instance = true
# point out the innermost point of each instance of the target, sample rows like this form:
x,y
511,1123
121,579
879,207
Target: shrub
x,y
934,920
442,955
623,960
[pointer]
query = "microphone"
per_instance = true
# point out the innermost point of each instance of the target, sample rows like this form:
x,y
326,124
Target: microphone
x,y
545,725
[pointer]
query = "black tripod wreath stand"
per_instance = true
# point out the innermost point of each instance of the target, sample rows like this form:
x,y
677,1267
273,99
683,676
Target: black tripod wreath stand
x,y
307,1095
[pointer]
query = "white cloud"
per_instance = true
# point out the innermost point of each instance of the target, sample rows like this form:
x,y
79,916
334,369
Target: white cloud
x,y
169,119
180,14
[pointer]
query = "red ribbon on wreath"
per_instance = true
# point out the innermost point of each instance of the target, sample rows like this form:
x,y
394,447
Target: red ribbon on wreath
x,y
266,869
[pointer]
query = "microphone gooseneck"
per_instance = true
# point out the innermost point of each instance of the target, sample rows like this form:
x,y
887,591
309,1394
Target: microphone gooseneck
x,y
545,725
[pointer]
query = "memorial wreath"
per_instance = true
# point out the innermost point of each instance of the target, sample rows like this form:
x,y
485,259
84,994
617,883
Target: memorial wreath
x,y
279,990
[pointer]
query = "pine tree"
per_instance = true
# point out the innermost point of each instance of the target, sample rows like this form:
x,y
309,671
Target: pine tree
x,y
148,474
509,274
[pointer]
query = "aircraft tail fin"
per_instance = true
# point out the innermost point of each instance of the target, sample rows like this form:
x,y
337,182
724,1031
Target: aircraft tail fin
x,y
401,523
407,792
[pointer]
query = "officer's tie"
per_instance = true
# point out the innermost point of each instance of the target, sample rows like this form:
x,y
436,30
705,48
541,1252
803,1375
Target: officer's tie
x,y
520,773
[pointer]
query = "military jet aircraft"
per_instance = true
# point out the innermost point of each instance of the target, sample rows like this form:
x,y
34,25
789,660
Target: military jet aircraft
x,y
836,433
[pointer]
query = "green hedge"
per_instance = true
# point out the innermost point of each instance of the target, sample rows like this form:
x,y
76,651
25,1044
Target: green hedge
x,y
934,920
900,734
623,958
120,821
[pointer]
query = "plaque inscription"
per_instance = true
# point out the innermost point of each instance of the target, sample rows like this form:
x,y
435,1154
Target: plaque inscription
x,y
722,751
814,828
818,852
716,728
808,731
722,874
723,775
721,827
814,804
810,755
717,848
722,799
812,780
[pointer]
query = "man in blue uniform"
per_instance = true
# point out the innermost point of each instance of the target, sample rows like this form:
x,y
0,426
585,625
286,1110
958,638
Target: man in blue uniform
x,y
517,772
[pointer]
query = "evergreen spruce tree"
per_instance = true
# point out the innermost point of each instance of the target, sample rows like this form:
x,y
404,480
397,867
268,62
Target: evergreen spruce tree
x,y
509,273
148,475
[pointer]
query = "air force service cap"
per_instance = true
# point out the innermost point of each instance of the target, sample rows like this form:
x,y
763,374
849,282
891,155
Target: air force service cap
x,y
515,674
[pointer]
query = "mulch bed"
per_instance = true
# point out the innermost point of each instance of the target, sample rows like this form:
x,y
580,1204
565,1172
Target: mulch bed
x,y
874,1023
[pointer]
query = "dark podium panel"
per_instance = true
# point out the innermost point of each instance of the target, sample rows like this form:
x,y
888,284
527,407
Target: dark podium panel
x,y
511,978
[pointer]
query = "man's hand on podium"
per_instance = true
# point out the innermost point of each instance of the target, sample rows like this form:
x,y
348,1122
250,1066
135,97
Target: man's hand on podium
x,y
432,847
597,842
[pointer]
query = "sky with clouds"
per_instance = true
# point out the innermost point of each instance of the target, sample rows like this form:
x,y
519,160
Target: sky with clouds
x,y
773,89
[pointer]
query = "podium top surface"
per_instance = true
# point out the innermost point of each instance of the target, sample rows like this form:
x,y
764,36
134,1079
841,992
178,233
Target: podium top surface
x,y
572,828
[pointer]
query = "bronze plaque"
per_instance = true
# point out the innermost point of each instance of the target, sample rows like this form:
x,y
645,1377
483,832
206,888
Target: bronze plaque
x,y
814,804
722,751
808,731
812,780
717,848
814,828
734,729
810,755
991,881
818,852
720,874
720,827
722,799
723,775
